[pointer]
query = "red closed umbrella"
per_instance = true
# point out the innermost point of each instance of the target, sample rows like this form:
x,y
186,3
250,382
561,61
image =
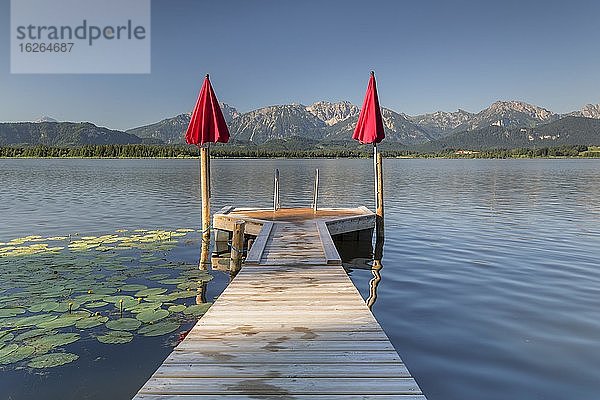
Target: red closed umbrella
x,y
207,125
369,128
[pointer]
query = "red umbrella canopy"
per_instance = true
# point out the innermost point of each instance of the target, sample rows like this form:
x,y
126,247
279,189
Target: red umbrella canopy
x,y
369,128
207,123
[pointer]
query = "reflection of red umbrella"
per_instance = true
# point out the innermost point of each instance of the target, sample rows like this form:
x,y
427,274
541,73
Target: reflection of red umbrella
x,y
369,128
206,125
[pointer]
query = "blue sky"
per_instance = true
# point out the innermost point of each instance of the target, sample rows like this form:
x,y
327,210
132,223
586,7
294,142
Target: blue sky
x,y
428,55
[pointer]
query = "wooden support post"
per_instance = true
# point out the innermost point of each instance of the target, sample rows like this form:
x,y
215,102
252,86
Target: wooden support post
x,y
237,247
379,212
205,192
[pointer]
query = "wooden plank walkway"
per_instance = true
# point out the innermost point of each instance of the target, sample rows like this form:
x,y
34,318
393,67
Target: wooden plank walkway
x,y
290,327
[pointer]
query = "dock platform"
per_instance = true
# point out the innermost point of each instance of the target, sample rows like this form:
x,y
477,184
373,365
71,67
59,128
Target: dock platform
x,y
290,325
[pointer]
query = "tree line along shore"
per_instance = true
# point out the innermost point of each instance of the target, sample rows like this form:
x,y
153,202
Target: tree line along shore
x,y
236,151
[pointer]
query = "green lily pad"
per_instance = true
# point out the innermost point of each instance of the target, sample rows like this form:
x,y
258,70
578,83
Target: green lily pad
x,y
159,329
6,337
123,324
102,290
46,343
34,333
145,306
190,285
11,312
124,300
150,316
52,360
197,310
172,281
116,337
64,320
158,277
17,355
177,308
150,292
96,304
5,351
182,295
44,306
91,322
132,287
34,320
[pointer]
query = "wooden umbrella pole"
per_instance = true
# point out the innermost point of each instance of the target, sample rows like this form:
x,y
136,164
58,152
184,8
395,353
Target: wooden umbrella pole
x,y
379,212
205,190
375,171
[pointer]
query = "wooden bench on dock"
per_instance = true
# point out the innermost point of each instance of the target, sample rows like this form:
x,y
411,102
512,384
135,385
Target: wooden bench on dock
x,y
290,325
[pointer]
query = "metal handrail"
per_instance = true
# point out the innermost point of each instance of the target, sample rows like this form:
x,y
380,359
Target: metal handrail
x,y
276,202
316,191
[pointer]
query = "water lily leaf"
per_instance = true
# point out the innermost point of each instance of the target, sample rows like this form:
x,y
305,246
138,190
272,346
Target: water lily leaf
x,y
91,322
43,344
128,301
158,298
34,320
172,281
44,306
151,316
158,277
197,310
191,285
184,230
6,336
177,308
5,351
52,360
133,287
64,320
11,312
116,337
159,329
33,334
96,304
150,292
182,295
102,290
145,307
21,353
123,324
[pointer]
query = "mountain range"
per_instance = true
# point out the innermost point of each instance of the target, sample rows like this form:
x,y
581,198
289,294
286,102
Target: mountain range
x,y
329,122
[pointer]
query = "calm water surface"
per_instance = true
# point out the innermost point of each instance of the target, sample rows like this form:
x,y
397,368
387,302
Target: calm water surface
x,y
490,283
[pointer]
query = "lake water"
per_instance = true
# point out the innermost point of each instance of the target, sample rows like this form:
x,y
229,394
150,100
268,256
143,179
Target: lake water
x,y
490,284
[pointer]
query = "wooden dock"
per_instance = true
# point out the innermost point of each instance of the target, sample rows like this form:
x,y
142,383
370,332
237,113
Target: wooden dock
x,y
291,324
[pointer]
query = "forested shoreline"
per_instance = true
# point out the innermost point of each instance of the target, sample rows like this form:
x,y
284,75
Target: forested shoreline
x,y
240,151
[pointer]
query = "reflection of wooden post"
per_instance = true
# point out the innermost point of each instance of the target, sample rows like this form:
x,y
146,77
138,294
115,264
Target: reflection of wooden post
x,y
201,293
380,230
204,255
373,283
237,247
